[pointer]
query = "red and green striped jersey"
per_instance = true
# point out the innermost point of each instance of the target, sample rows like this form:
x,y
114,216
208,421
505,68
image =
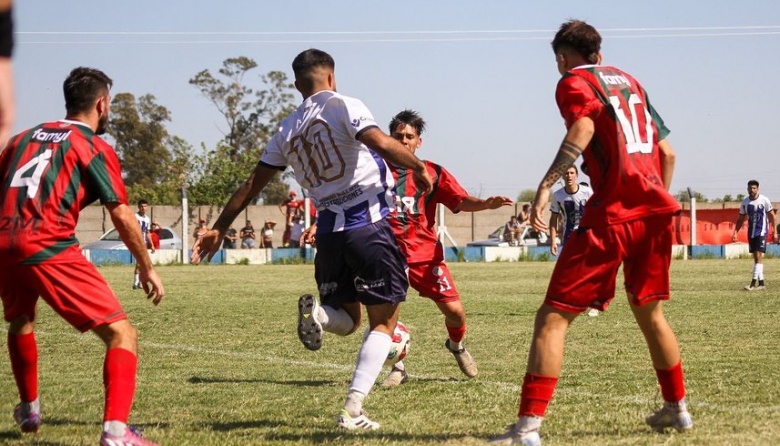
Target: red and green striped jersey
x,y
413,218
47,175
623,161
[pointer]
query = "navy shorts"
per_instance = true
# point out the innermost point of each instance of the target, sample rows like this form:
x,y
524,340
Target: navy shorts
x,y
360,265
757,244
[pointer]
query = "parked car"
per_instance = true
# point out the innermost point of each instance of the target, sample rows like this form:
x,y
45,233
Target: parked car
x,y
529,238
111,240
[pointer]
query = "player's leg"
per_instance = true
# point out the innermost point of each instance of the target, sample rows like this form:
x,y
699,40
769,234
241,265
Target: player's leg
x,y
758,273
136,279
646,272
19,308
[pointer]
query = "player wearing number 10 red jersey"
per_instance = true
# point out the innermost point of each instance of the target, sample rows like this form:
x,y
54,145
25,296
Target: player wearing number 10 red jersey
x,y
628,220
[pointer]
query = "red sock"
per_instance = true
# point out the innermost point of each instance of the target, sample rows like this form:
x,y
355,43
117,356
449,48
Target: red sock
x,y
535,395
456,333
24,363
672,385
119,380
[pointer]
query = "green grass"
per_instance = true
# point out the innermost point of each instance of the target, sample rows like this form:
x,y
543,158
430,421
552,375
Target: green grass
x,y
220,364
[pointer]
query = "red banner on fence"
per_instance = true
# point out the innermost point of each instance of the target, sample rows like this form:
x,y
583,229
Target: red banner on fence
x,y
713,227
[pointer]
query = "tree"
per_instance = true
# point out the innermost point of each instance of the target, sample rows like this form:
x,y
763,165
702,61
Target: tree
x,y
683,197
728,198
526,195
252,117
154,163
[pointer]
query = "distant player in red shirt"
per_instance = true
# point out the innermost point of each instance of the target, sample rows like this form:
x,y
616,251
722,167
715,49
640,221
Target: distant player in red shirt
x,y
47,175
628,220
414,223
289,208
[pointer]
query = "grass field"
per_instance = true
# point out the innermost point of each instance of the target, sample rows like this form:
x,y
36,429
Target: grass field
x,y
220,364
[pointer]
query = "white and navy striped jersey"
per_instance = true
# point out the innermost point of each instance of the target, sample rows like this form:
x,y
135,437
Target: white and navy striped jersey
x,y
571,207
145,222
349,184
756,211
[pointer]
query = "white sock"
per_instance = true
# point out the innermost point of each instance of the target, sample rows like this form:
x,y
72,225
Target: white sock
x,y
336,321
529,423
115,428
755,271
354,403
400,366
759,271
371,357
32,406
136,280
454,346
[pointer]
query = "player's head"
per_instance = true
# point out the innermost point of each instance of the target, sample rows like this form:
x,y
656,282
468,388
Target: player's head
x,y
249,223
292,194
407,127
576,43
570,177
202,222
86,91
313,70
142,205
752,188
513,218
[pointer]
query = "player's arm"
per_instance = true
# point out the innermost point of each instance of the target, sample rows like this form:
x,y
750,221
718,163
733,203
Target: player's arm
x,y
554,222
474,204
574,143
667,156
740,220
394,152
771,215
125,223
251,188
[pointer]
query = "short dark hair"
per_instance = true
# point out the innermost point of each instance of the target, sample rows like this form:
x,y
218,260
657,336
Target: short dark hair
x,y
142,201
83,87
578,36
410,118
306,63
574,166
752,183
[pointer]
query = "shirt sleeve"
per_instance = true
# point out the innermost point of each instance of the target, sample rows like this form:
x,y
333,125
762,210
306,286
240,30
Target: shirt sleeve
x,y
273,155
106,176
449,192
576,99
357,115
663,131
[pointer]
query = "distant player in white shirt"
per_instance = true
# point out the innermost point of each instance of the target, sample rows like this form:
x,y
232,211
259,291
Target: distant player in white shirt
x,y
337,153
145,223
757,209
568,204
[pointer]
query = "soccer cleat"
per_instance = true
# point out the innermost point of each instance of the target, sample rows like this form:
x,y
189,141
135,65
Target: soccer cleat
x,y
309,328
133,437
465,361
670,415
395,378
593,312
749,288
513,435
28,421
760,288
136,286
359,422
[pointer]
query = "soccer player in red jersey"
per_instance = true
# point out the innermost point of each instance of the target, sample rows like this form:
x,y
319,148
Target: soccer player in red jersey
x,y
289,208
628,220
47,175
414,223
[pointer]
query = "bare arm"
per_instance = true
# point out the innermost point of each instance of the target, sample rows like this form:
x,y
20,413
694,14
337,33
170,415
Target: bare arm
x,y
210,242
577,138
125,223
740,220
667,162
474,204
554,221
394,152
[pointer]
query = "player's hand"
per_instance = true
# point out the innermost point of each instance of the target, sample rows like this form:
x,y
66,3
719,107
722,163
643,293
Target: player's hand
x,y
423,180
309,236
497,202
152,285
206,246
734,237
537,209
553,247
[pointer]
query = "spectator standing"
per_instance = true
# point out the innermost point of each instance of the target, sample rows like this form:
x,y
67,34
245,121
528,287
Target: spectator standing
x,y
231,239
200,230
248,236
154,236
267,236
289,208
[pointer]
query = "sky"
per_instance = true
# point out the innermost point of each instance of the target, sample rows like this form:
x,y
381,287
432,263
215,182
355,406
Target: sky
x,y
481,73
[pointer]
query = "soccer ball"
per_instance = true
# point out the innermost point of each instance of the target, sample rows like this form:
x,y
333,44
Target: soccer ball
x,y
400,346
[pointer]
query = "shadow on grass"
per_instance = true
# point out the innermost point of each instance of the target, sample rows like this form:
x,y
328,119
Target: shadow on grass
x,y
210,380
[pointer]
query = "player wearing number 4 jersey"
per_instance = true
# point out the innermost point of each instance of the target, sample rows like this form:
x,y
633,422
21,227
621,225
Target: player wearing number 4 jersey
x,y
336,151
628,220
414,224
47,175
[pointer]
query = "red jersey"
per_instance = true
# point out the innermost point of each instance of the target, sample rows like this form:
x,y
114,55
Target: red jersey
x,y
413,217
623,161
47,175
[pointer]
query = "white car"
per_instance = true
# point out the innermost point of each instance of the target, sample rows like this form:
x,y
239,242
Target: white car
x,y
111,240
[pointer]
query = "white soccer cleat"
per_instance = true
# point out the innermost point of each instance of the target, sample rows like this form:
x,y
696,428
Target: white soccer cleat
x,y
309,328
464,359
513,435
359,422
670,415
593,312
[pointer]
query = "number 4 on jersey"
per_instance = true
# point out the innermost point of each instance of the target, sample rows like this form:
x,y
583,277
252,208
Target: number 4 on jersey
x,y
31,182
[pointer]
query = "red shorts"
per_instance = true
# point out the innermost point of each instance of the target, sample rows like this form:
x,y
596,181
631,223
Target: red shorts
x,y
74,289
433,280
584,275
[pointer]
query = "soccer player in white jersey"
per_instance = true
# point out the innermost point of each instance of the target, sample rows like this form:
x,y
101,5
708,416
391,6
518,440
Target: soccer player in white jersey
x,y
757,209
568,204
337,152
145,223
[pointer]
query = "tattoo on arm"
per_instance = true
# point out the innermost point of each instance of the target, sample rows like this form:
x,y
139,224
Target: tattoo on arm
x,y
567,154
